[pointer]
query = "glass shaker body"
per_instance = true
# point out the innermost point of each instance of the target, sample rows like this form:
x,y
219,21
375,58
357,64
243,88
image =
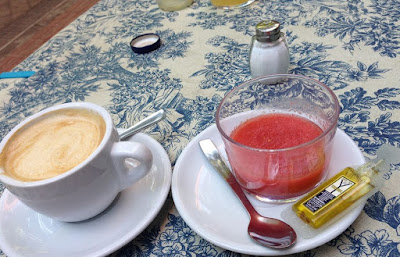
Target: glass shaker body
x,y
269,55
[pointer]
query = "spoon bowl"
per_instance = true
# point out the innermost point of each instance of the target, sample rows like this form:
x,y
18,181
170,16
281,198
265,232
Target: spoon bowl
x,y
267,231
270,232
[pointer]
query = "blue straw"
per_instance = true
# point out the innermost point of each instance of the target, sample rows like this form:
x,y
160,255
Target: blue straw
x,y
16,74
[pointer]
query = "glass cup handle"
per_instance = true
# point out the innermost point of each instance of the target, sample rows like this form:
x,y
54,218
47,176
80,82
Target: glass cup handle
x,y
132,161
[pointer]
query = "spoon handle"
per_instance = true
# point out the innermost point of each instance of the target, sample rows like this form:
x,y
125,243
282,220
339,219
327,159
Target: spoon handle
x,y
215,159
153,118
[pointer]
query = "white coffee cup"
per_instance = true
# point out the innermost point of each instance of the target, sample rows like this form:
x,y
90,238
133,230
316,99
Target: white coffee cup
x,y
88,188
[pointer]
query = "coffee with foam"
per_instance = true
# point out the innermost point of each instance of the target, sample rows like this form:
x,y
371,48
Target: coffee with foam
x,y
52,144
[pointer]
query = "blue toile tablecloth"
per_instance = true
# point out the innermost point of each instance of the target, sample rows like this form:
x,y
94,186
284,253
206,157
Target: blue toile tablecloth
x,y
351,46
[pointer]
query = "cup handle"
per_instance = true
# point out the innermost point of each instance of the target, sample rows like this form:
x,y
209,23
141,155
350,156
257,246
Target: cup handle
x,y
132,161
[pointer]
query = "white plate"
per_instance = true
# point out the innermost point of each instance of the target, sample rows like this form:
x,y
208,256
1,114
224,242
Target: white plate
x,y
209,207
24,232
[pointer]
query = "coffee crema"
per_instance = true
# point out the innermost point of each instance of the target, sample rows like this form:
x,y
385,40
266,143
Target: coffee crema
x,y
52,144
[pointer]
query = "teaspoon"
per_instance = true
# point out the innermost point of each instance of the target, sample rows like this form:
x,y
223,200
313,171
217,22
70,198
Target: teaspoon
x,y
151,119
269,232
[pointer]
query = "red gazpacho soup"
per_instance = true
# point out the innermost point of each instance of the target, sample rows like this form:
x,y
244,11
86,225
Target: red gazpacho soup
x,y
281,174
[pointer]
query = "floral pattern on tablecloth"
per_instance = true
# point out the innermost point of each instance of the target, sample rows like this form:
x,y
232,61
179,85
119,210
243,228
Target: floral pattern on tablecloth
x,y
351,46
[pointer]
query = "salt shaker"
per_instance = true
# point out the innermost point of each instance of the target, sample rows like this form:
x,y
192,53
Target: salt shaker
x,y
269,51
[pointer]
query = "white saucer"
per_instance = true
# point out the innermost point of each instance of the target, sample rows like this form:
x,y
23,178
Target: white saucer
x,y
24,232
210,208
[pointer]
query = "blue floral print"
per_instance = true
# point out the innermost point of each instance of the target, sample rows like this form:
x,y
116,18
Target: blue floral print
x,y
89,59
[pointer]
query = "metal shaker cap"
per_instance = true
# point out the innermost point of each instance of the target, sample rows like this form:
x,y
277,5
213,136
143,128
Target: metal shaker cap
x,y
268,31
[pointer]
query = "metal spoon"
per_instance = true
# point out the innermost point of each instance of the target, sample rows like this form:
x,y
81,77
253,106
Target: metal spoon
x,y
269,232
150,120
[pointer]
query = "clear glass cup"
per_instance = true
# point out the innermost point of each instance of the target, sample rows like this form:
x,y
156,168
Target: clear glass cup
x,y
279,174
228,4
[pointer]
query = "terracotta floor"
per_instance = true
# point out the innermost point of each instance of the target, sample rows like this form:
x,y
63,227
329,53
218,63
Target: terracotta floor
x,y
26,24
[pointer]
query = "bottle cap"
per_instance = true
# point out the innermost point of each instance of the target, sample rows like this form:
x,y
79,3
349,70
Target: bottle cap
x,y
145,43
268,31
390,154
